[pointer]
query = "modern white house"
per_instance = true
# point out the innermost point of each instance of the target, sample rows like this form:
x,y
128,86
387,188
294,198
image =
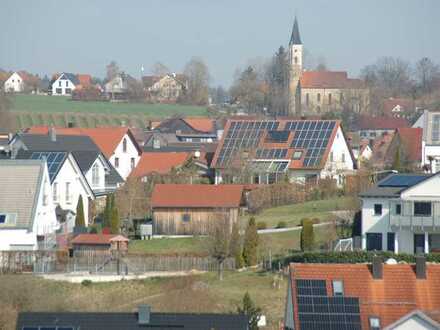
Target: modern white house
x,y
64,84
68,183
301,150
416,320
401,213
27,212
15,83
429,122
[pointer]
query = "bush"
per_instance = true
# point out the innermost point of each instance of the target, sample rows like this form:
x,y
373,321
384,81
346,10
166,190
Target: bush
x,y
93,230
282,224
86,282
307,235
261,225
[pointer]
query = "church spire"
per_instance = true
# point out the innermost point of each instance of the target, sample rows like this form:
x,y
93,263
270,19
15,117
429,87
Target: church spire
x,y
295,39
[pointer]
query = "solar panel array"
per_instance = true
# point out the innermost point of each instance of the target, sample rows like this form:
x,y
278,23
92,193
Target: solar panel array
x,y
271,153
397,180
318,311
269,167
312,136
243,135
54,161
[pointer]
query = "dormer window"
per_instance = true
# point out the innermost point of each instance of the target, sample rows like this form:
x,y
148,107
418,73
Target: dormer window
x,y
95,175
124,145
297,155
374,323
338,288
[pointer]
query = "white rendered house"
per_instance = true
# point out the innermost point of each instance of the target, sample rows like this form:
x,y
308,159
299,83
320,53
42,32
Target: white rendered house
x,y
15,83
64,84
27,213
402,214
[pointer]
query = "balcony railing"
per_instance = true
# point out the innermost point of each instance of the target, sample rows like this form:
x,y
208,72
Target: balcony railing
x,y
410,221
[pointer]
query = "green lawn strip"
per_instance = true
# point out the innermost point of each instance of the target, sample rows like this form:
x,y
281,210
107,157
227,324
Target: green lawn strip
x,y
43,103
169,245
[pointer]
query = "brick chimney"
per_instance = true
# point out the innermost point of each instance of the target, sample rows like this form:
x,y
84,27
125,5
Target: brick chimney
x,y
420,267
377,267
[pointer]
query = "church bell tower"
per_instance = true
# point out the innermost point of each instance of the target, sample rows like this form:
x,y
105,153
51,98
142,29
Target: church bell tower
x,y
296,66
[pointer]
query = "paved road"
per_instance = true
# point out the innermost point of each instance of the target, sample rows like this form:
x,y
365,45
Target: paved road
x,y
282,230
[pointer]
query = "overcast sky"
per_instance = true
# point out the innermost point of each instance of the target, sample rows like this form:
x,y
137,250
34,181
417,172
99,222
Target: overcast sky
x,y
82,36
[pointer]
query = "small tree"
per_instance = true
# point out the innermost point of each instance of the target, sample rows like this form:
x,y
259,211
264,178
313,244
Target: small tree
x,y
114,223
251,311
79,220
236,247
108,210
250,243
219,246
396,162
307,235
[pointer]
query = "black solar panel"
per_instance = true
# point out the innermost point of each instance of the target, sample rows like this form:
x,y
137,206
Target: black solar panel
x,y
54,161
317,311
277,136
397,180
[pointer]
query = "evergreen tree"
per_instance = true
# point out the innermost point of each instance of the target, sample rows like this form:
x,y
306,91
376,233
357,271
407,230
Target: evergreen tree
x,y
250,243
307,235
235,246
396,162
79,220
108,210
114,223
252,312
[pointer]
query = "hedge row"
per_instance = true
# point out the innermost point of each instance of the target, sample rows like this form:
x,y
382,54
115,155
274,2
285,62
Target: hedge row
x,y
347,257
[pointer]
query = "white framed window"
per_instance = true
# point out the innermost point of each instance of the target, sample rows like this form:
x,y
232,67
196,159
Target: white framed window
x,y
338,288
374,323
55,192
45,194
116,162
95,175
124,145
68,196
343,157
132,163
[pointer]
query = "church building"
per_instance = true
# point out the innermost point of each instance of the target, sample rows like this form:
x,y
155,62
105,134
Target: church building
x,y
318,92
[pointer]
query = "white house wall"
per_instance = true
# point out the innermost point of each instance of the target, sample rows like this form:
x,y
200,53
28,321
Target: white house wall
x,y
428,190
63,86
14,83
124,169
101,171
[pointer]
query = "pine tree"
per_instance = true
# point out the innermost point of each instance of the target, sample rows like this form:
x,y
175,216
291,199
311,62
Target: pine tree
x,y
79,220
397,163
252,312
250,243
108,210
235,246
114,222
307,235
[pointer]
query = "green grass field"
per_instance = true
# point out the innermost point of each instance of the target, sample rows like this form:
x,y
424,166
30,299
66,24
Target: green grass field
x,y
61,104
170,245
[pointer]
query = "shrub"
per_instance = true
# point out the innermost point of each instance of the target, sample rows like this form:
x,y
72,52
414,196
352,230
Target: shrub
x,y
261,225
93,230
86,282
282,224
307,235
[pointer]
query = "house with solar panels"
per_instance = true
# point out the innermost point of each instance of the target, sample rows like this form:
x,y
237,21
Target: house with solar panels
x,y
27,213
401,214
275,150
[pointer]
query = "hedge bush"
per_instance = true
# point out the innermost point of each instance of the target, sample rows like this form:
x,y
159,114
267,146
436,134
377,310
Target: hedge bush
x,y
282,224
261,225
351,257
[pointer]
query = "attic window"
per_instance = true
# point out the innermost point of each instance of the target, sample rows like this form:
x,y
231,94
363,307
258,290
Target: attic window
x,y
297,155
2,218
338,288
374,323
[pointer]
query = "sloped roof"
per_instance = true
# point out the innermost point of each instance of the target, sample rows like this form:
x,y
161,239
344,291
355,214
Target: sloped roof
x,y
411,139
159,162
129,321
21,182
295,38
391,103
84,79
394,184
277,140
396,294
202,124
197,195
329,79
42,142
106,138
71,76
97,239
381,123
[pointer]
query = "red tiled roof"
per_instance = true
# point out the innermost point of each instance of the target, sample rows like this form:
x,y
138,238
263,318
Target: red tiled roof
x,y
389,298
159,162
328,79
84,79
197,195
411,139
381,123
200,124
97,239
106,138
391,103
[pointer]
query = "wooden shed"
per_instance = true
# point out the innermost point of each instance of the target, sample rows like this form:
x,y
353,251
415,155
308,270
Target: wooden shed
x,y
100,242
192,209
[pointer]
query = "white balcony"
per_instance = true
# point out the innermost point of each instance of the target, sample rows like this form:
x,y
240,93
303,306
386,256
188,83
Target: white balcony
x,y
414,221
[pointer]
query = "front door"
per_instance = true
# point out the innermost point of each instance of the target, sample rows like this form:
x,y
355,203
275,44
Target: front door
x,y
419,243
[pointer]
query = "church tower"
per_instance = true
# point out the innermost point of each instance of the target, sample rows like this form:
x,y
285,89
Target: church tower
x,y
296,66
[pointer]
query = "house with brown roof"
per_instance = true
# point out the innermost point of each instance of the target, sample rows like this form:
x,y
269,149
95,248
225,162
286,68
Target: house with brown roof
x,y
370,127
116,143
185,209
99,242
409,142
398,107
317,92
165,89
20,81
360,296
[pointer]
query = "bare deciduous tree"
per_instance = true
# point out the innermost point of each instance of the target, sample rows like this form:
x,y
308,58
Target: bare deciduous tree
x,y
197,75
426,73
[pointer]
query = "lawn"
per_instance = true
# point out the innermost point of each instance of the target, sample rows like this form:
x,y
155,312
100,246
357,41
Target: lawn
x,y
292,214
170,245
199,293
62,104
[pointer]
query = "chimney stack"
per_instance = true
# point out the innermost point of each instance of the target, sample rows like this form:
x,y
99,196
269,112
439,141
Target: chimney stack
x,y
420,267
377,268
144,314
52,134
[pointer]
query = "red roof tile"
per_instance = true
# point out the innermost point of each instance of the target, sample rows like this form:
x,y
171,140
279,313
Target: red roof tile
x,y
197,195
84,79
97,239
391,103
159,162
381,123
328,79
411,139
106,138
389,298
200,124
